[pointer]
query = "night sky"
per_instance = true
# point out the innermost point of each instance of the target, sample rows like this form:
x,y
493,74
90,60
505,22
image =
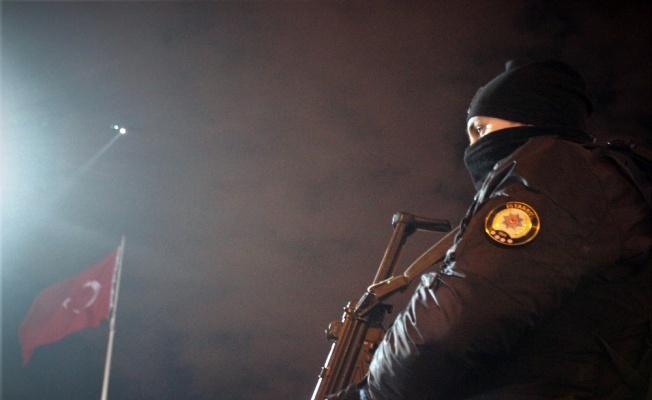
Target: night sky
x,y
268,146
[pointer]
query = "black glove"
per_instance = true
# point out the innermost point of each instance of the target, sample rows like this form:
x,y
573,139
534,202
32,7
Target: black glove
x,y
352,392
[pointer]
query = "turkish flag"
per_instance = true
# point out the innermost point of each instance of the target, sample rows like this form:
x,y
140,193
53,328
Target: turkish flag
x,y
83,300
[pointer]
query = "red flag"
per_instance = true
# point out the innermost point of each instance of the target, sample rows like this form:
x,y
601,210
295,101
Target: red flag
x,y
83,300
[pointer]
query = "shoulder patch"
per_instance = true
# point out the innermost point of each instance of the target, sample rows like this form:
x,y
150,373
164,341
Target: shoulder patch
x,y
512,224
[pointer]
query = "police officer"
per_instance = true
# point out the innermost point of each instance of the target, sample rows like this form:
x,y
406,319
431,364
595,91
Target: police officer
x,y
547,291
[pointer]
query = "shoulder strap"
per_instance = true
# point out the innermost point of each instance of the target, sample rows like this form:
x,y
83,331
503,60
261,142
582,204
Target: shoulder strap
x,y
389,286
634,161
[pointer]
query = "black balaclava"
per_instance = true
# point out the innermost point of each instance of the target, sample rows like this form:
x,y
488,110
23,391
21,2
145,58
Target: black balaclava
x,y
550,95
547,93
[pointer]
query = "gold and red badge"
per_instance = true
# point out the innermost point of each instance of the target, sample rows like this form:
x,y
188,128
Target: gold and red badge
x,y
512,224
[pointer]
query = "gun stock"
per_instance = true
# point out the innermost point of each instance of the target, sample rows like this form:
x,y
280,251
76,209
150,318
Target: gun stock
x,y
361,329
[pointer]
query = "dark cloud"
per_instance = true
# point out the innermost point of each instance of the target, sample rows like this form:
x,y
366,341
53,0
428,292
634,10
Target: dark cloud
x,y
269,145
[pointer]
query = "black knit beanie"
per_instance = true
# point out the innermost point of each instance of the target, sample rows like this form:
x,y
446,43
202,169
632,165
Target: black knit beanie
x,y
546,93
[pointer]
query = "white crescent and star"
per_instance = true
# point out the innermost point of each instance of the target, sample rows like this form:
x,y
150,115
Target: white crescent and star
x,y
95,286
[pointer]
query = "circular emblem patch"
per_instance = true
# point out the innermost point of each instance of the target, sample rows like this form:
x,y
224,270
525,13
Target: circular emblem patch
x,y
512,224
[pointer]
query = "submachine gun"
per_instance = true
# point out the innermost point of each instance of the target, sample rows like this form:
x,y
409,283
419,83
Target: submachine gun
x,y
361,329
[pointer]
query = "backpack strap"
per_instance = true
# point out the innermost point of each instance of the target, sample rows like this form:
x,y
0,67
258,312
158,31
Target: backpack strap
x,y
636,163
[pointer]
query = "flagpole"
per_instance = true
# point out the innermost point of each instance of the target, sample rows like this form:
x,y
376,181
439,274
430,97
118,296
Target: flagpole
x,y
109,348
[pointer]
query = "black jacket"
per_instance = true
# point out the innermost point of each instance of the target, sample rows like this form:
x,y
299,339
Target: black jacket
x,y
546,293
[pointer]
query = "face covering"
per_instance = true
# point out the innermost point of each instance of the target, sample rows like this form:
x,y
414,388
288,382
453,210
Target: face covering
x,y
481,157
